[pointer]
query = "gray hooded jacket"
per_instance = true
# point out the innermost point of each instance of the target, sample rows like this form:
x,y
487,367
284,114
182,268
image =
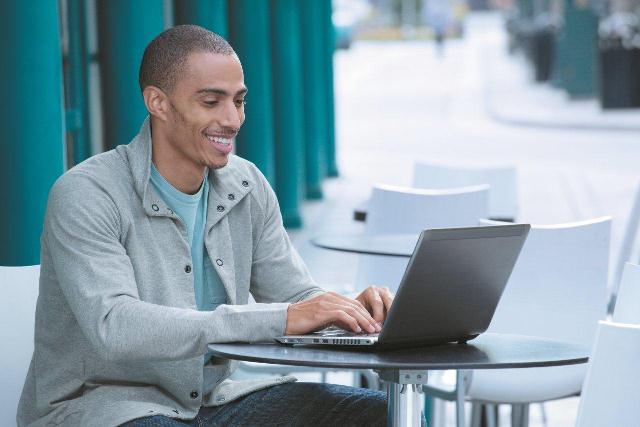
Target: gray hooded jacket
x,y
118,335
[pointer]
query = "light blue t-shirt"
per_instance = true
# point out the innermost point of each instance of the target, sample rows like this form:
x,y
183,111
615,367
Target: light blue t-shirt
x,y
192,210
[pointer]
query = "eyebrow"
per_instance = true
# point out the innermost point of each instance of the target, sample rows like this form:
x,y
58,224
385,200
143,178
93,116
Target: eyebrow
x,y
220,91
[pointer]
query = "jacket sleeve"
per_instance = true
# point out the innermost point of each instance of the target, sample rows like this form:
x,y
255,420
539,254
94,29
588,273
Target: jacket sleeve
x,y
82,232
278,273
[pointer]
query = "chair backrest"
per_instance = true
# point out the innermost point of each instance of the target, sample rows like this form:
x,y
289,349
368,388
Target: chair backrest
x,y
558,287
611,389
628,241
19,290
400,210
627,308
503,197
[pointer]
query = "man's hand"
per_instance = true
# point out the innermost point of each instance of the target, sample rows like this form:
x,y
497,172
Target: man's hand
x,y
377,301
329,309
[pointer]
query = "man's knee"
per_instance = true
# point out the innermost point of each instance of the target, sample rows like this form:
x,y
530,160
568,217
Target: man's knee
x,y
328,404
154,421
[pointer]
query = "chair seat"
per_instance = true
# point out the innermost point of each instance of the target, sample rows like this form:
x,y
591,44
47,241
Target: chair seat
x,y
526,385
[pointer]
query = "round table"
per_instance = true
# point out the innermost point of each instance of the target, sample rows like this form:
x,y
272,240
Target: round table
x,y
407,369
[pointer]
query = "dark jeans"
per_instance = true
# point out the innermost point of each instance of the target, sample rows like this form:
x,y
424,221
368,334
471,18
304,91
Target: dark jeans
x,y
293,404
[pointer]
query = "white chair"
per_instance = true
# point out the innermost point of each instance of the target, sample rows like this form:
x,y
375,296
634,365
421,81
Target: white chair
x,y
557,290
627,308
611,389
19,290
503,197
630,232
403,210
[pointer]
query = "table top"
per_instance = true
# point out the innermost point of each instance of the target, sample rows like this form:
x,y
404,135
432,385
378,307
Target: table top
x,y
488,351
400,245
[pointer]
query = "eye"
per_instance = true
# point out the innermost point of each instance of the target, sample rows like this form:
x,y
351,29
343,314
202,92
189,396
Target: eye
x,y
210,103
240,102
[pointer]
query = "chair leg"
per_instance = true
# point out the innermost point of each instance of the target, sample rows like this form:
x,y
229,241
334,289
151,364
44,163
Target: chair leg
x,y
440,413
543,412
476,414
496,415
525,415
490,413
371,379
520,415
461,391
516,415
364,379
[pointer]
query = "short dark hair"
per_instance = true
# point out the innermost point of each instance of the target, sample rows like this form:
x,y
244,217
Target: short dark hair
x,y
165,57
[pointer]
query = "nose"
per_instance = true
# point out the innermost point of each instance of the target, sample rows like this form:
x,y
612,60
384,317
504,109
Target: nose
x,y
231,116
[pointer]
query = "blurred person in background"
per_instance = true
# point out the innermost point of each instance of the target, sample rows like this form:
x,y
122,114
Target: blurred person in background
x,y
150,251
438,14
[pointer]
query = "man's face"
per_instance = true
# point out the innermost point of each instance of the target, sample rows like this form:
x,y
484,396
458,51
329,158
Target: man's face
x,y
206,109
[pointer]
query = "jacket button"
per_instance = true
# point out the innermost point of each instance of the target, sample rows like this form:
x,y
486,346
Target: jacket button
x,y
231,197
155,207
219,262
220,208
194,394
245,183
187,268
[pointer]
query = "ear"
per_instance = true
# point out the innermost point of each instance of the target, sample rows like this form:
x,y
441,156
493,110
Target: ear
x,y
156,102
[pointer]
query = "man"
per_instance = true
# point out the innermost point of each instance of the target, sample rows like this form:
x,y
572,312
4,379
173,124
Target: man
x,y
149,253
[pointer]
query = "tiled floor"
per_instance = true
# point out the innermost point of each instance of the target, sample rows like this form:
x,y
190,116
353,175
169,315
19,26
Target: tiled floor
x,y
398,102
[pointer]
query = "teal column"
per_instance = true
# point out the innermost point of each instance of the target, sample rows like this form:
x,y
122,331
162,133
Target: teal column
x,y
329,48
580,50
76,82
32,143
209,14
125,28
315,97
287,108
250,36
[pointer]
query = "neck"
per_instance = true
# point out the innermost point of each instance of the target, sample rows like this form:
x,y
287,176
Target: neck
x,y
177,169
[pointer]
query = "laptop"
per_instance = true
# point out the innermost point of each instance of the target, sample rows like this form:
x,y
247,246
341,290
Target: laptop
x,y
448,293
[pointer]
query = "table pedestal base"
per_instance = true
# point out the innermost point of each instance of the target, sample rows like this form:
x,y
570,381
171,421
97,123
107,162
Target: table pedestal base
x,y
405,405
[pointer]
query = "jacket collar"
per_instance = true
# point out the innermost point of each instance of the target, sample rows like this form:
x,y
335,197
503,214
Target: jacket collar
x,y
227,185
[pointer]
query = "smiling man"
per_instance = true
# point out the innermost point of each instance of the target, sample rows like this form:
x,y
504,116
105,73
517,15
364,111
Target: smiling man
x,y
150,252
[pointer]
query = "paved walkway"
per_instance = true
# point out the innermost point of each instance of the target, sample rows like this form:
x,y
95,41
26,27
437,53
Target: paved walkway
x,y
398,102
513,100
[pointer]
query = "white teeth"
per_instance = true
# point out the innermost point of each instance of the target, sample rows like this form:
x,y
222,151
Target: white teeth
x,y
223,141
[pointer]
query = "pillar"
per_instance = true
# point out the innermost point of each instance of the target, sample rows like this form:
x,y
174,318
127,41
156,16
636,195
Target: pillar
x,y
287,108
315,97
329,48
125,28
32,144
250,36
77,82
209,14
